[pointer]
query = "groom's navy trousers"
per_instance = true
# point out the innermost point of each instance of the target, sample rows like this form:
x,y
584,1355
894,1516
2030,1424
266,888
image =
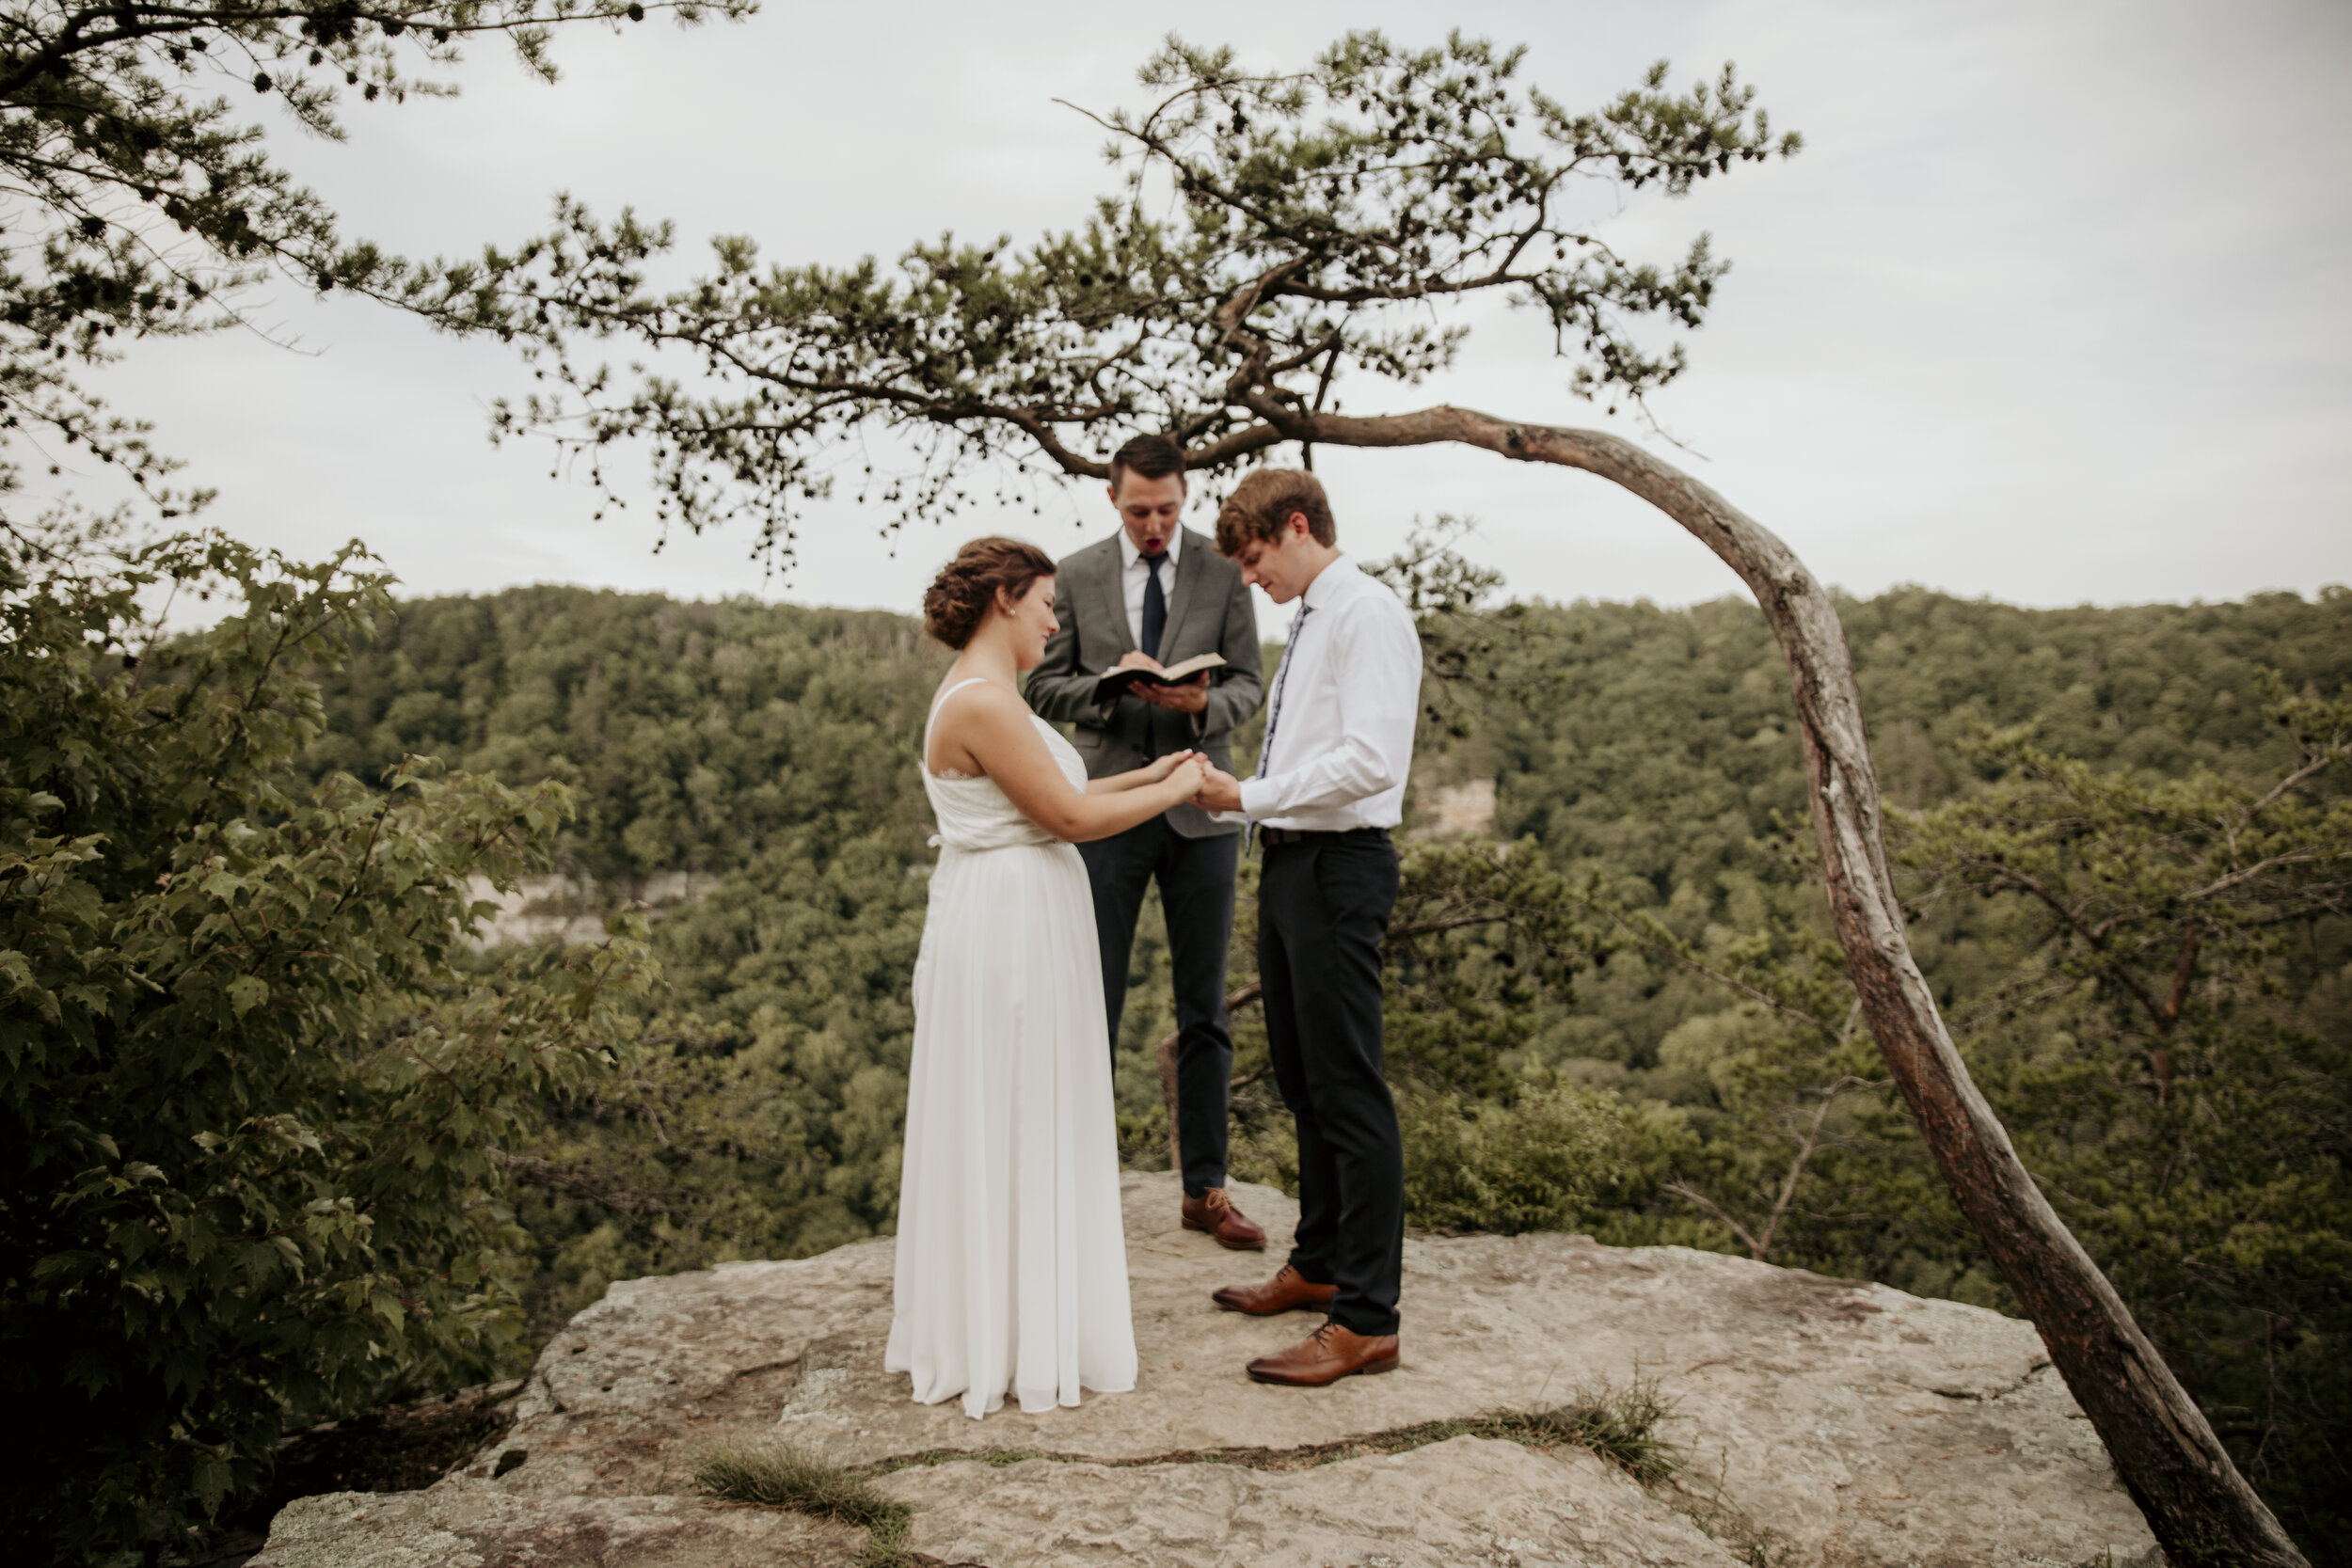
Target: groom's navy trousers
x,y
1196,878
1323,908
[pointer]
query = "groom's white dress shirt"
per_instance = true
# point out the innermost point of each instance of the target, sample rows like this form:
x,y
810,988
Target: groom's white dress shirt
x,y
1348,693
1134,576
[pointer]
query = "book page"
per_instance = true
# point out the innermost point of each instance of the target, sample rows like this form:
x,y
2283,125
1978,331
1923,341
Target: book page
x,y
1182,671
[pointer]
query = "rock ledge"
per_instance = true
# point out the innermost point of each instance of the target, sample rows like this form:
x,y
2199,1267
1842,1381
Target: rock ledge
x,y
1828,1422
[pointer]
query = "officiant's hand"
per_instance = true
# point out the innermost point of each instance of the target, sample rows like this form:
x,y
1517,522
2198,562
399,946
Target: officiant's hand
x,y
1190,696
1219,790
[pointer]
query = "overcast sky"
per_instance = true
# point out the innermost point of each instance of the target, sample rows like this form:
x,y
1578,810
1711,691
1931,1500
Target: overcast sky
x,y
2052,308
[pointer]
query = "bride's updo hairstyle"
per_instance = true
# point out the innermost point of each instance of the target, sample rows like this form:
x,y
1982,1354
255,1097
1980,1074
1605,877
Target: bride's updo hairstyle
x,y
959,599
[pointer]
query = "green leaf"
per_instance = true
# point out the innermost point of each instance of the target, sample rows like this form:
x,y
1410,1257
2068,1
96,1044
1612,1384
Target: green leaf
x,y
211,1479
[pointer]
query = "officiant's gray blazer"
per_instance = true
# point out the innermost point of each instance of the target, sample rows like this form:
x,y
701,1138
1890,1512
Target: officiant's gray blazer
x,y
1208,612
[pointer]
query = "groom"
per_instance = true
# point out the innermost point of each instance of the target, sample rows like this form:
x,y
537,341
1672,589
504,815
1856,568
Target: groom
x,y
1329,786
1154,594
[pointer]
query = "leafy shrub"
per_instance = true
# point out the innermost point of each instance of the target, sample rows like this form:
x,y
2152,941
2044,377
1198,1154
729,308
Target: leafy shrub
x,y
1531,1165
254,1085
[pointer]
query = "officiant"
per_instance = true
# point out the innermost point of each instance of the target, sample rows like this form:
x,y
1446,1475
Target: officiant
x,y
1152,595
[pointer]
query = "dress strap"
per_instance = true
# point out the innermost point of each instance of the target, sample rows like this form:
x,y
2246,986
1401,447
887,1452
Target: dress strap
x,y
940,702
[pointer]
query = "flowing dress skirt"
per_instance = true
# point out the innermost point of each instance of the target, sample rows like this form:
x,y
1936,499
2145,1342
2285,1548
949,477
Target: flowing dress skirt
x,y
1012,1259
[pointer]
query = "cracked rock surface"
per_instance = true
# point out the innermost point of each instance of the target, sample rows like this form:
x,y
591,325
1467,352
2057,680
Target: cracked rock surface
x,y
1468,1500
464,1523
1828,1422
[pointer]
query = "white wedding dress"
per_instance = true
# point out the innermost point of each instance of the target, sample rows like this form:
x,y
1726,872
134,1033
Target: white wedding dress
x,y
1012,1259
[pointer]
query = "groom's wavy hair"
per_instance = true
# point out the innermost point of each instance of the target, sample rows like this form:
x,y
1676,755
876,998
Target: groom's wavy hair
x,y
1264,501
959,599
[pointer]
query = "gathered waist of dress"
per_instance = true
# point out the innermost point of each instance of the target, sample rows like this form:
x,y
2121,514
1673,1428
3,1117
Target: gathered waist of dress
x,y
990,845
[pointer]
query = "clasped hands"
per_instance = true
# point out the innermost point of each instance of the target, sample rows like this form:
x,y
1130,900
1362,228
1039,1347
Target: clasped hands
x,y
1213,788
1218,790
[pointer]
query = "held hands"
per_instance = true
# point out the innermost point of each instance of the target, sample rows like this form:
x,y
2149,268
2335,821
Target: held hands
x,y
1159,768
1189,775
1219,791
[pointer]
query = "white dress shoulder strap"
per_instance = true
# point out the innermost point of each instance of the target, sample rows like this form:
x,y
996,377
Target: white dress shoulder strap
x,y
937,703
941,701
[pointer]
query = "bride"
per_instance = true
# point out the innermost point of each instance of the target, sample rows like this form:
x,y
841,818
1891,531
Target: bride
x,y
1012,1264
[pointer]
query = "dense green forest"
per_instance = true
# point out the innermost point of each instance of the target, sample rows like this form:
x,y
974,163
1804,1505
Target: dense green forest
x,y
1641,1033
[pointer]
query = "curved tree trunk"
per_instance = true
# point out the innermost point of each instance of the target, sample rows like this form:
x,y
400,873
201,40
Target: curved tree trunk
x,y
2201,1509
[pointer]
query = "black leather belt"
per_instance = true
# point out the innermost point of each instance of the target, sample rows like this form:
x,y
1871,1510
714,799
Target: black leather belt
x,y
1272,837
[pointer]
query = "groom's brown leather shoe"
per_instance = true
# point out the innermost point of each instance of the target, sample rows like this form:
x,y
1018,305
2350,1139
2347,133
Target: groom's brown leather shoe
x,y
1326,1356
1213,1212
1285,1293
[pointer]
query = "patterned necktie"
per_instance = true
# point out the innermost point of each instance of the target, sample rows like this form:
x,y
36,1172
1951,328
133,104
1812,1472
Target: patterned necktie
x,y
1274,711
1154,606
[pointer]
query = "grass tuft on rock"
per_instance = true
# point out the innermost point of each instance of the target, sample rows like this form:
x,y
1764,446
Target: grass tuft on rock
x,y
1619,1425
778,1475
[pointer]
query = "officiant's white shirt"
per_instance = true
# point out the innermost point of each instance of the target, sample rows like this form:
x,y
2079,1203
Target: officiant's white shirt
x,y
1349,692
1135,575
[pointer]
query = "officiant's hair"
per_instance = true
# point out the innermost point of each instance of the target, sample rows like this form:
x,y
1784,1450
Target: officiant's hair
x,y
966,589
1150,456
1262,502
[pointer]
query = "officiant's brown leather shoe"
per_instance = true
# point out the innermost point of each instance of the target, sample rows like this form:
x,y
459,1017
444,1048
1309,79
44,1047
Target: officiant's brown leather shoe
x,y
1285,1293
1326,1356
1213,1212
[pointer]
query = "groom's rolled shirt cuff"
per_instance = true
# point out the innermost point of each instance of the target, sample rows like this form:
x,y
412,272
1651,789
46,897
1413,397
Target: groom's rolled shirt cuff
x,y
1251,811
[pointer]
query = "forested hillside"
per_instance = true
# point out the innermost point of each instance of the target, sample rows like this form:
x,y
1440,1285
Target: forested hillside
x,y
697,735
1644,1038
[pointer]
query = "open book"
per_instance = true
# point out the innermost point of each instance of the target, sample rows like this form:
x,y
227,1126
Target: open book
x,y
1112,683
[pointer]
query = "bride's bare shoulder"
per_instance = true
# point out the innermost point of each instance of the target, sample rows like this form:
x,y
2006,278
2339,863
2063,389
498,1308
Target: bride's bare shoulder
x,y
981,700
974,722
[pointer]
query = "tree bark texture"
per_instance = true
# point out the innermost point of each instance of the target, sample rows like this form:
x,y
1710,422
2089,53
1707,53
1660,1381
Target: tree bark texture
x,y
2203,1512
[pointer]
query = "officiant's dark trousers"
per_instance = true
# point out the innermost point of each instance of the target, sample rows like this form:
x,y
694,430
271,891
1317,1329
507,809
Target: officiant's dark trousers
x,y
1196,878
1322,908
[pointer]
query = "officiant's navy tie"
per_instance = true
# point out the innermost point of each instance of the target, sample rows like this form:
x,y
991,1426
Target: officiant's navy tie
x,y
1274,712
1154,606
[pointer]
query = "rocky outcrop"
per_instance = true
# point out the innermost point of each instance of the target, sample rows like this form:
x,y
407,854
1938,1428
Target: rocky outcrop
x,y
1456,811
1822,1422
568,910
